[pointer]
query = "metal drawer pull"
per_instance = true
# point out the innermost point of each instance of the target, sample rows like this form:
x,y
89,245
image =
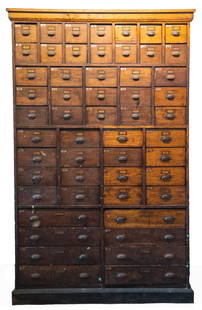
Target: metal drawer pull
x,y
169,219
66,76
176,53
83,257
165,158
135,116
169,237
26,52
79,159
122,159
136,76
121,237
125,32
36,139
170,116
32,95
175,33
35,256
150,53
79,140
82,217
122,178
170,96
36,159
101,96
51,33
165,177
34,218
66,96
101,53
25,32
121,275
80,197
169,275
76,32
34,237
36,178
101,77
121,256
35,275
83,275
126,53
31,75
122,139
166,196
101,116
37,197
51,53
121,219
166,139
80,178
169,256
100,31
123,196
135,96
67,116
82,237
76,53
31,116
170,76
151,33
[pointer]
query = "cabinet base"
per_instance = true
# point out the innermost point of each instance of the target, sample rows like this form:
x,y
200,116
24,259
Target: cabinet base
x,y
102,296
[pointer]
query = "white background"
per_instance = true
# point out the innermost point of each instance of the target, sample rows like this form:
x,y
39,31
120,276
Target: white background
x,y
6,145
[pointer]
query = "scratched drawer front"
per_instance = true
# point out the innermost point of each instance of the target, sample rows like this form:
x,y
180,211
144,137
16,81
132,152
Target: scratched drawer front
x,y
51,33
122,176
25,33
80,195
66,96
31,76
67,115
36,176
101,116
101,96
166,195
79,176
135,76
170,96
165,176
36,138
32,116
124,157
136,116
31,96
170,116
101,77
128,195
165,157
79,138
79,157
135,97
125,138
170,76
36,157
26,53
36,195
166,138
59,256
66,77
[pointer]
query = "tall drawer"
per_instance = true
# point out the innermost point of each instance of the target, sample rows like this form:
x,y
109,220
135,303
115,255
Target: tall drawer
x,y
26,53
136,116
25,33
51,53
101,116
36,195
31,76
31,96
170,96
135,76
67,115
36,176
79,157
165,157
117,195
79,176
170,76
101,77
166,138
122,176
101,96
36,157
124,157
66,96
36,138
79,138
66,77
166,195
76,33
126,138
135,97
32,116
51,33
165,176
80,195
125,33
170,116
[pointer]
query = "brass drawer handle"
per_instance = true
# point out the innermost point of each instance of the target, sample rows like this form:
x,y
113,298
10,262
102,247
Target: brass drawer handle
x,y
122,159
101,116
51,33
165,158
31,75
166,196
37,197
101,77
67,116
170,116
169,238
34,218
170,76
135,96
176,53
125,32
36,178
76,53
136,76
66,76
83,275
79,160
36,139
32,95
31,116
121,219
121,237
121,256
35,256
135,116
151,33
169,219
101,53
150,53
122,178
83,257
51,53
66,96
25,32
79,196
100,32
121,275
79,140
80,178
34,237
82,237
166,139
165,177
122,139
37,159
170,96
169,275
101,96
175,33
35,275
126,53
26,52
169,256
82,217
76,32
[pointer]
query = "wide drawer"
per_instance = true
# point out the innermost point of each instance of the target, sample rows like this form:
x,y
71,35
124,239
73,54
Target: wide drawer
x,y
124,157
170,96
166,195
165,156
79,138
36,176
34,157
126,138
67,115
79,157
31,76
80,195
135,76
31,96
166,138
66,96
32,116
36,195
66,77
150,54
36,138
117,195
122,176
101,96
135,97
170,76
101,77
165,176
79,176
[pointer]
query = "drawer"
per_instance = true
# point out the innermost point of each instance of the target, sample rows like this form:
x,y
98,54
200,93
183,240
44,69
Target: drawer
x,y
101,96
135,97
26,53
120,195
101,116
150,54
79,176
176,33
51,53
150,34
59,256
79,138
75,54
66,77
122,176
67,115
33,157
146,276
32,116
79,157
165,176
170,116
126,138
166,195
166,138
126,54
170,96
36,195
144,218
59,276
36,138
101,33
135,76
25,33
45,218
36,176
165,157
101,54
51,33
76,33
124,157
136,116
125,33
176,54
66,96
101,77
170,76
148,236
80,195
31,76
145,255
31,96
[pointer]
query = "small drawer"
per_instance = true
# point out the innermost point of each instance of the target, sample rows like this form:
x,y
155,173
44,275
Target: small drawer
x,y
135,76
166,195
126,33
166,138
101,54
79,138
51,53
51,33
117,195
36,195
31,96
150,34
36,138
101,77
165,176
67,115
124,157
170,116
33,157
32,116
26,53
25,33
165,157
150,54
101,96
101,116
75,54
126,54
176,54
76,33
136,116
101,33
170,96
66,77
36,176
135,97
176,33
66,96
31,76
126,138
80,195
170,76
79,157
79,176
122,176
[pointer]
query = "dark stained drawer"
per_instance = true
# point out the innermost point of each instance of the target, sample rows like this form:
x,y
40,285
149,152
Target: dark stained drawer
x,y
101,116
165,156
170,76
31,96
151,34
36,195
122,195
166,137
101,77
36,157
36,176
80,195
66,77
166,195
150,54
36,138
135,76
136,116
67,115
32,116
122,137
66,96
165,176
124,157
101,96
176,54
31,76
79,176
79,157
135,97
122,176
79,138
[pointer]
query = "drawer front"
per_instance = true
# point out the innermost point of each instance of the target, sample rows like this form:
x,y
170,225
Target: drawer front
x,y
51,53
170,76
67,115
75,54
76,33
101,77
31,116
136,116
126,54
101,116
101,33
165,138
126,138
66,77
165,195
51,33
135,76
176,33
126,33
116,195
36,138
150,54
36,195
80,195
170,116
35,176
170,96
36,157
25,33
79,157
31,76
26,53
176,54
165,176
31,96
66,96
122,176
124,157
101,96
79,176
165,157
135,97
150,34
76,138
101,54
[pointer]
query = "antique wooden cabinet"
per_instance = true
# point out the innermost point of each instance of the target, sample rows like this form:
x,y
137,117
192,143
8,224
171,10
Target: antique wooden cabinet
x,y
101,155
